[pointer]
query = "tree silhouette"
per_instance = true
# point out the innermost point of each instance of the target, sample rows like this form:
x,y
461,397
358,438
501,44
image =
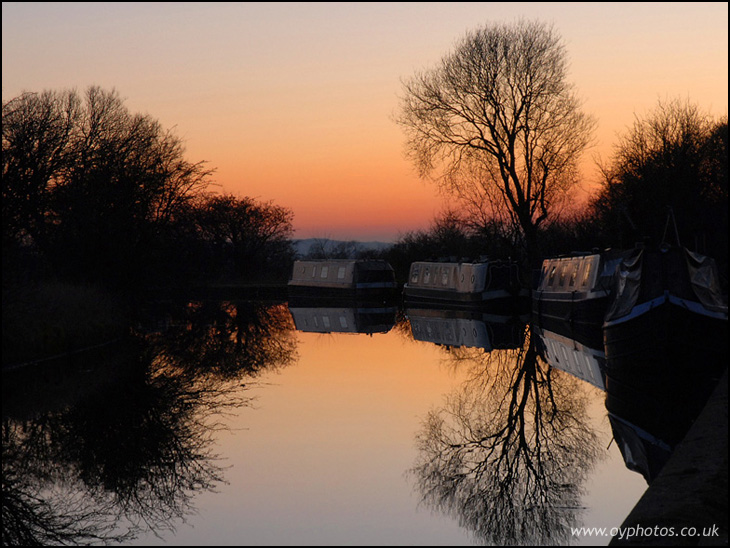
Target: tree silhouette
x,y
126,459
89,184
255,237
38,129
35,515
498,125
675,157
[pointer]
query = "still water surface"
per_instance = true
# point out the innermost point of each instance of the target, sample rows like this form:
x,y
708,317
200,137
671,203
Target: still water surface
x,y
233,425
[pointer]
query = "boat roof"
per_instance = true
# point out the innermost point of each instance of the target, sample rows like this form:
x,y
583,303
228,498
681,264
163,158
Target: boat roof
x,y
370,264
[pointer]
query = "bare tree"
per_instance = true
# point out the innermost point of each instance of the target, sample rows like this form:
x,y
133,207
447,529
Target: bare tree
x,y
37,134
89,184
497,125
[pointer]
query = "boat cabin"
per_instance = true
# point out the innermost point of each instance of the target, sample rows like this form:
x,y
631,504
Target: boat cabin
x,y
359,276
576,288
462,282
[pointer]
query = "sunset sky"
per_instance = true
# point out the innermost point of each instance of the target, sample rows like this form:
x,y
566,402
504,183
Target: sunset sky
x,y
294,102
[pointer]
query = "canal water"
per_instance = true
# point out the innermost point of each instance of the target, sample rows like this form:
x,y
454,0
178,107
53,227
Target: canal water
x,y
251,423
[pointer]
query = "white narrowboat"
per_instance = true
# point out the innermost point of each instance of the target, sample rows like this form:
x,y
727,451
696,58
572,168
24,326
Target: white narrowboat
x,y
463,283
342,276
576,288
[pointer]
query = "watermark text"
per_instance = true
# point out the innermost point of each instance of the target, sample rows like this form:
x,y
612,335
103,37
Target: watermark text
x,y
634,531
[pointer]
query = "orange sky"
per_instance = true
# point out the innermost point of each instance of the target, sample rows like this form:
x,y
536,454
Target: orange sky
x,y
293,102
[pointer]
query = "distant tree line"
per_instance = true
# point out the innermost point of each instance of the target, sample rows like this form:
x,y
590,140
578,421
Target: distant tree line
x,y
93,192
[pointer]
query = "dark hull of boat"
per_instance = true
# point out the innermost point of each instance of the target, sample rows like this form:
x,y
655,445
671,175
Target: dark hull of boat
x,y
575,308
667,333
661,366
666,346
344,293
498,301
642,451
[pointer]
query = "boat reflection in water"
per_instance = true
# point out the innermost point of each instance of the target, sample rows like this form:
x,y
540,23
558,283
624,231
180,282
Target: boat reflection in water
x,y
562,351
466,328
666,347
342,316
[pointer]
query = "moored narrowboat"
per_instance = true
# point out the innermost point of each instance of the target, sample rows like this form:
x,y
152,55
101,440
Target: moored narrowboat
x,y
666,298
665,339
491,282
575,289
339,277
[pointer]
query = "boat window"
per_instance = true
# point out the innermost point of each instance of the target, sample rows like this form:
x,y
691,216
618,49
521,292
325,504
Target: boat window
x,y
586,274
427,275
445,276
314,272
561,283
551,278
414,276
325,270
574,275
341,273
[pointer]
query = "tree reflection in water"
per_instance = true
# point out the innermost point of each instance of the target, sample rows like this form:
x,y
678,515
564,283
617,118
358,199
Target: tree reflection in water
x,y
228,340
130,455
509,452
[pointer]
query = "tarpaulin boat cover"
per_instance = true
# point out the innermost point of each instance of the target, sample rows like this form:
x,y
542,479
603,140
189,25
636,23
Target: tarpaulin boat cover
x,y
646,274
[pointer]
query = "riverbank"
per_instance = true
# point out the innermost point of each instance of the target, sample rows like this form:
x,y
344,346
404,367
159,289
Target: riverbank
x,y
274,291
44,320
687,504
